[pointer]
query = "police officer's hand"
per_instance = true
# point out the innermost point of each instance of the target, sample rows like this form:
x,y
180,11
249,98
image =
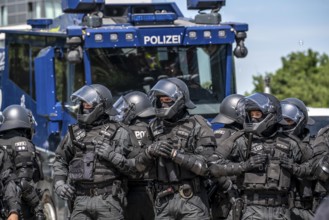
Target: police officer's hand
x,y
289,164
63,190
158,149
104,151
253,162
166,149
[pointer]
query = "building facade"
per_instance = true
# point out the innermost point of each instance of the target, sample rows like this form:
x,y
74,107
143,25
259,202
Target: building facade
x,y
16,12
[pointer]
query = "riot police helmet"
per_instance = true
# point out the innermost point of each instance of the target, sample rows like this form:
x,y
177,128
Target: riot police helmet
x,y
229,111
17,117
178,97
133,105
262,112
94,101
295,110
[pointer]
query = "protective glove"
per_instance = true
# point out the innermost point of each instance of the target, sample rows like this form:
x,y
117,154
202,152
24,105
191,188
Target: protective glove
x,y
104,151
159,149
294,168
166,149
253,162
63,190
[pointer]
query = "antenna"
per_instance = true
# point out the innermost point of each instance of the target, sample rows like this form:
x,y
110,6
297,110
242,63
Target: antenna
x,y
23,101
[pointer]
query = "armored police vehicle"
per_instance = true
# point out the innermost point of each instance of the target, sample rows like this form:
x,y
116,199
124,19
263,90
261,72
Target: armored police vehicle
x,y
124,46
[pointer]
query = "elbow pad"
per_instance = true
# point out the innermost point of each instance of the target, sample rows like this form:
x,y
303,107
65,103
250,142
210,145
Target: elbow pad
x,y
191,163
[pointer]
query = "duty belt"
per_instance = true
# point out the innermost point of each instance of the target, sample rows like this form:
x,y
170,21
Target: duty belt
x,y
94,191
186,189
266,199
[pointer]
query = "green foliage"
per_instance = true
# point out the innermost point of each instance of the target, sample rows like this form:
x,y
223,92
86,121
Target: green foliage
x,y
303,75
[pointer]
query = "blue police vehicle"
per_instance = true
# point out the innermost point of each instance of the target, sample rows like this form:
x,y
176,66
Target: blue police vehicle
x,y
124,46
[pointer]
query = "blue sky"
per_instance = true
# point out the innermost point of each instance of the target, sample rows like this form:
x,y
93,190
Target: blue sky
x,y
276,28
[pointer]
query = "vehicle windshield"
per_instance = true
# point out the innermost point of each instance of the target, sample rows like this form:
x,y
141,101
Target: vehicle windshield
x,y
203,69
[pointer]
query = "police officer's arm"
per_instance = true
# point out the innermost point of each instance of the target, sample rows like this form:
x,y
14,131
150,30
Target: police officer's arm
x,y
12,196
11,193
143,161
64,154
204,144
117,157
295,165
236,163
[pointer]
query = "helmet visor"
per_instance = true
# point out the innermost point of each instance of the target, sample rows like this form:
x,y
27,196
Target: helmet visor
x,y
258,102
86,94
291,112
164,87
121,105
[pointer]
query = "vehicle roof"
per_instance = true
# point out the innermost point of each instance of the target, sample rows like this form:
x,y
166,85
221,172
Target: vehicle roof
x,y
318,111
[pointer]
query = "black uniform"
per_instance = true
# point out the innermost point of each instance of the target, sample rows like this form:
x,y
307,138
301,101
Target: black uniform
x,y
99,183
10,201
259,159
16,134
27,171
140,185
183,145
90,161
135,111
319,165
222,203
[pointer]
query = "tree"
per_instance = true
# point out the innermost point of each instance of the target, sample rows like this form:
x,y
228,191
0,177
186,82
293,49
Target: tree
x,y
303,75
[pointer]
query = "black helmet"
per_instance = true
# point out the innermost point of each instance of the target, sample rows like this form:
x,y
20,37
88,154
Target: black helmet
x,y
270,108
132,105
295,110
229,111
175,89
16,117
99,97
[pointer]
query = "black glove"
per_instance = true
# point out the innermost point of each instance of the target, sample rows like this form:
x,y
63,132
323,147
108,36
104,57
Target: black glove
x,y
63,190
159,149
253,162
289,164
166,149
104,150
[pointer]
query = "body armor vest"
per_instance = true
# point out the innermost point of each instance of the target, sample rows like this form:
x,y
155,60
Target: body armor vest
x,y
271,176
86,166
23,155
321,148
141,133
181,136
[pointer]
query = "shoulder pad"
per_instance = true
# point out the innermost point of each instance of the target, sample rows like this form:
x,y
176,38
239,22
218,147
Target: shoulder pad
x,y
202,120
324,130
21,146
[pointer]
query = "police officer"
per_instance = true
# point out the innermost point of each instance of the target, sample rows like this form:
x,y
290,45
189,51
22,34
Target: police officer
x,y
320,166
256,161
182,145
10,203
90,161
232,118
16,133
135,110
295,119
